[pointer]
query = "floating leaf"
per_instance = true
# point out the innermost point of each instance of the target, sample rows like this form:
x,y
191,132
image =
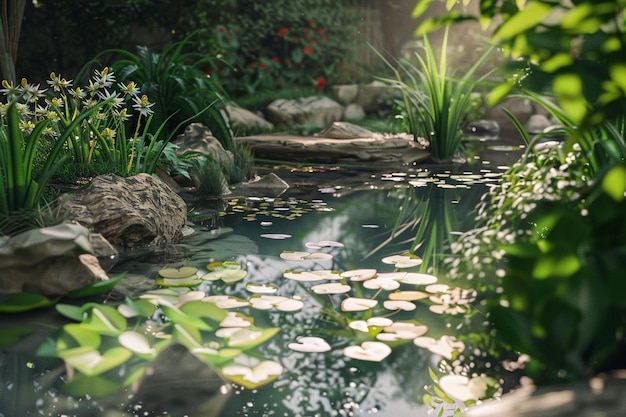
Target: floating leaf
x,y
359,274
372,325
399,305
178,273
406,260
228,275
226,301
275,236
331,288
309,344
261,288
462,388
402,330
253,377
357,304
267,302
236,320
381,283
136,342
368,351
92,363
446,346
191,281
136,308
407,295
305,256
323,244
306,276
247,337
25,301
105,320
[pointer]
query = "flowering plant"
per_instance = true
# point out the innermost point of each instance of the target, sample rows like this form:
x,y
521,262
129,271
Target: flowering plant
x,y
41,129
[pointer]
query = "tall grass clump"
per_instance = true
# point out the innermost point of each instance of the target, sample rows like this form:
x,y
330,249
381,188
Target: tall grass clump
x,y
434,103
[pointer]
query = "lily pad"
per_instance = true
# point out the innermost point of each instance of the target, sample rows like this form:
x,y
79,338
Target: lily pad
x,y
261,288
402,330
226,301
462,388
331,288
191,281
276,236
357,304
368,351
359,274
407,295
246,337
305,256
399,305
309,344
268,302
306,276
253,377
407,260
178,273
92,363
446,346
381,283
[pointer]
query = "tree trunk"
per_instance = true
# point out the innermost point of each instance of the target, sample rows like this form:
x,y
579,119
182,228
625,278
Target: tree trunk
x,y
11,14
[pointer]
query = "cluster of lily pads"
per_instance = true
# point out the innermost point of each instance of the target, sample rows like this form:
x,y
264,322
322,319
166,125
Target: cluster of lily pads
x,y
216,329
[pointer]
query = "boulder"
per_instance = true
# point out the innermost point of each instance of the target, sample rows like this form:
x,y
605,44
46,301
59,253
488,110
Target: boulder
x,y
242,119
309,111
374,96
354,112
198,139
483,128
537,123
346,92
53,260
270,184
132,212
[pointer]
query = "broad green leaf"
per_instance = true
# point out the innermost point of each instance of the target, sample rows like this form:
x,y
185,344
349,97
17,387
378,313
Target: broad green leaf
x,y
253,377
531,16
106,320
614,183
93,363
617,70
96,288
556,62
179,316
568,89
556,265
188,335
421,7
204,309
25,301
71,312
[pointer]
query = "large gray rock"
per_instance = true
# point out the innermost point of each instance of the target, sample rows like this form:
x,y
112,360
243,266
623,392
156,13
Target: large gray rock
x,y
310,111
242,119
135,211
52,261
198,139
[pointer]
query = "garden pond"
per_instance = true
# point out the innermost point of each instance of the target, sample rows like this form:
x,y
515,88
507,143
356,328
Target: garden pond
x,y
329,298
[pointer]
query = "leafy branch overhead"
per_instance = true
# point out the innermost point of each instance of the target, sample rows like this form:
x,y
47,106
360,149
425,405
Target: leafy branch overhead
x,y
575,49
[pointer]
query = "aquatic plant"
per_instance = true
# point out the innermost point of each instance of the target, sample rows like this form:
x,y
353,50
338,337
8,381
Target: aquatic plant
x,y
434,102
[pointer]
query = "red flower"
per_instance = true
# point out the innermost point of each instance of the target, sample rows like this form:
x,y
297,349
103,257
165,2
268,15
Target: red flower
x,y
287,61
262,66
311,22
296,39
320,83
320,31
307,50
282,31
275,60
221,29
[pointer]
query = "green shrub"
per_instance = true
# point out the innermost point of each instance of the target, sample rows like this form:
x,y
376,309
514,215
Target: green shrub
x,y
278,44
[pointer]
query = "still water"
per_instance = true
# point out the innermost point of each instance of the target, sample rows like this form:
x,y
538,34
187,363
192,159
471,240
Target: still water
x,y
358,220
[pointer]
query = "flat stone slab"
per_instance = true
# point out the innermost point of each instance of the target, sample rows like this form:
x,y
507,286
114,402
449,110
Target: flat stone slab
x,y
380,149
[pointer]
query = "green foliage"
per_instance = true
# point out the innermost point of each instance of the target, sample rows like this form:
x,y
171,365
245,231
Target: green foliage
x,y
560,303
180,91
266,45
576,49
208,176
20,187
435,104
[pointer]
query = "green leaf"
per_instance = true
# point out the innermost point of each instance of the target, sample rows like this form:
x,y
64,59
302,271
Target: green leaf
x,y
91,362
106,320
179,316
528,18
71,312
96,288
568,89
421,7
556,265
614,182
204,309
25,301
94,386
